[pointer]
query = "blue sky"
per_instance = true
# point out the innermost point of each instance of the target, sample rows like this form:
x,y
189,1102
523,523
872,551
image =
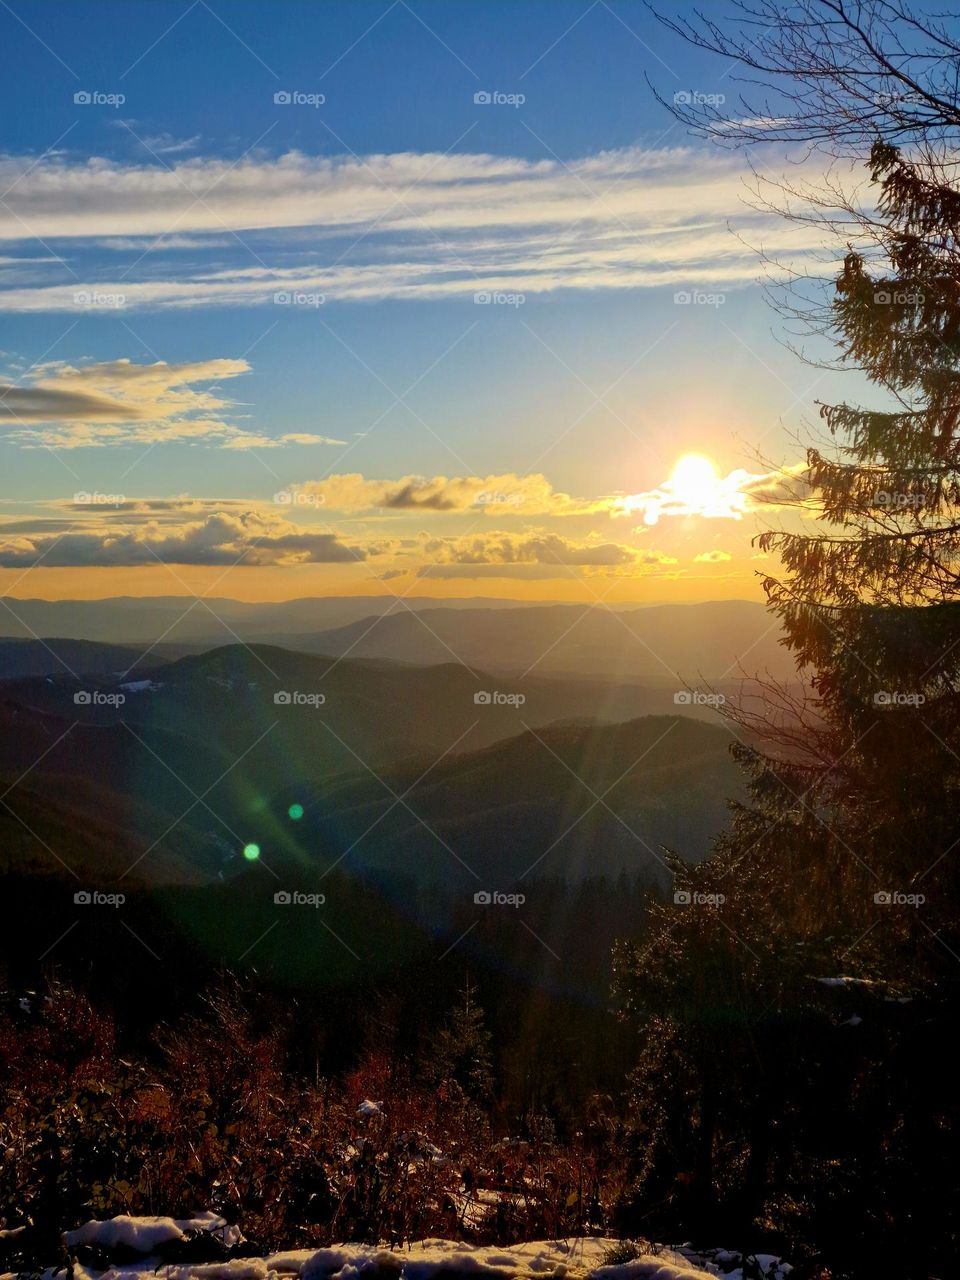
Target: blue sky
x,y
295,268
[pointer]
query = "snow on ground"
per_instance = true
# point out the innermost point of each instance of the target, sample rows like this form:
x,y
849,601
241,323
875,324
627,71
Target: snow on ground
x,y
145,1235
575,1259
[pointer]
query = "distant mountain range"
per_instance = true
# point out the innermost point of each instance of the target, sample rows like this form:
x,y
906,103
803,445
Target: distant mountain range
x,y
453,746
57,656
666,645
188,761
569,800
183,620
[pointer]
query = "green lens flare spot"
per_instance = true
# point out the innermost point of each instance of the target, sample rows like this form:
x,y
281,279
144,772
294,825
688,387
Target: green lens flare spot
x,y
251,852
296,812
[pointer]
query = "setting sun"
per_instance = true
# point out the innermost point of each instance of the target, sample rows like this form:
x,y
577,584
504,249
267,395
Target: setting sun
x,y
694,480
694,488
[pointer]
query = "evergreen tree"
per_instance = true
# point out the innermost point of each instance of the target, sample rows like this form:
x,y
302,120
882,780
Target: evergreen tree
x,y
461,1050
798,995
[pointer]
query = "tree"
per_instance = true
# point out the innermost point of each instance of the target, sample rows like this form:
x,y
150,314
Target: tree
x,y
797,992
461,1049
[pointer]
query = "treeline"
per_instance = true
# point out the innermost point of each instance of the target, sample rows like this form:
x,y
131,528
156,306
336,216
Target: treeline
x,y
359,967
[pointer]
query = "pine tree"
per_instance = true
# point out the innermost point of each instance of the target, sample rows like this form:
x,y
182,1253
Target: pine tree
x,y
794,1074
461,1050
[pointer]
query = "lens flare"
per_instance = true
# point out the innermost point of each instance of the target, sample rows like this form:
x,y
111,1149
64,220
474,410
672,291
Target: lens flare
x,y
251,852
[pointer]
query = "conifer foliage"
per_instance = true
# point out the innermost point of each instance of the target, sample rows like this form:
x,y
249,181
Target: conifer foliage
x,y
801,987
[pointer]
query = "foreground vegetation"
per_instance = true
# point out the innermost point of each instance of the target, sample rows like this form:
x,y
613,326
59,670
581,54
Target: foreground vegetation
x,y
215,1114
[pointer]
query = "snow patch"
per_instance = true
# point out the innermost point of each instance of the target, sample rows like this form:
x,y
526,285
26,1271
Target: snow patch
x,y
574,1259
145,1235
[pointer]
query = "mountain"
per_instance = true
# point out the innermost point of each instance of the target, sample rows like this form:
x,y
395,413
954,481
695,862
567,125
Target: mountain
x,y
150,620
87,802
668,644
191,757
21,658
327,711
572,801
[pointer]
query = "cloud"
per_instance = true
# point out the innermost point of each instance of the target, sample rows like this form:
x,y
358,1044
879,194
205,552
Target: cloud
x,y
507,548
786,487
712,557
517,572
119,402
254,440
503,548
116,508
305,437
221,538
48,403
494,494
140,390
729,497
107,530
406,225
139,244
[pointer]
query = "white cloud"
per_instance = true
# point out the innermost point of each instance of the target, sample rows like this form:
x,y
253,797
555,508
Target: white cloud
x,y
729,497
402,226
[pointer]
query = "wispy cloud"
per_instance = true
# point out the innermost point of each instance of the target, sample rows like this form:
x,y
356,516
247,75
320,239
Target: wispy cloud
x,y
383,226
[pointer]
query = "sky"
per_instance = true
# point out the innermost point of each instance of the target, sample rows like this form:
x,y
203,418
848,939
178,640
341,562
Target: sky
x,y
424,299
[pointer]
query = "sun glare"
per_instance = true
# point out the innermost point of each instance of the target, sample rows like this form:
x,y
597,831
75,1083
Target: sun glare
x,y
694,488
694,481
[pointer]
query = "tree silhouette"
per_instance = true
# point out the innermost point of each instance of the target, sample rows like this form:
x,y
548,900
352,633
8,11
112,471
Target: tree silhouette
x,y
798,988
